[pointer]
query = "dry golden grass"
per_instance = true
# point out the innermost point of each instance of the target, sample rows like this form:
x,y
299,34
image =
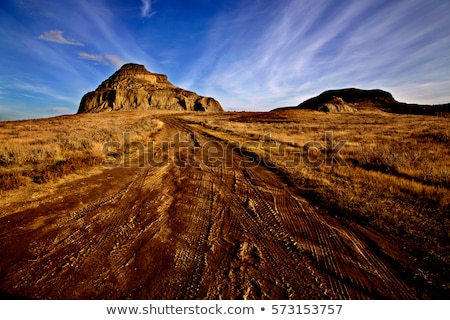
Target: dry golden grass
x,y
396,176
44,149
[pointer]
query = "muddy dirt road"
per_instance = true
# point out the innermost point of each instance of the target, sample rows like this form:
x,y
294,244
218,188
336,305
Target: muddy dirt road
x,y
211,229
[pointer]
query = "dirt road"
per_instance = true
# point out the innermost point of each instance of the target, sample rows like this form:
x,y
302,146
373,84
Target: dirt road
x,y
210,229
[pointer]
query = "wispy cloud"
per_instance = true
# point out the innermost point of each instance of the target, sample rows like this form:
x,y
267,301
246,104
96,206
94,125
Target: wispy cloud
x,y
92,57
433,92
107,59
40,89
115,60
297,50
57,36
101,29
146,9
255,55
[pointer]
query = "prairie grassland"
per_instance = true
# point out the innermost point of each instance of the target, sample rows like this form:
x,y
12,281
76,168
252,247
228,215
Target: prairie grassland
x,y
386,170
45,149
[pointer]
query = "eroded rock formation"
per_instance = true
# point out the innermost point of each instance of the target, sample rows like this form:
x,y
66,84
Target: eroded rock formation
x,y
352,99
335,104
348,100
133,87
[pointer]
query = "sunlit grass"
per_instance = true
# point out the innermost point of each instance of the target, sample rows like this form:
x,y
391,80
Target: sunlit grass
x,y
45,149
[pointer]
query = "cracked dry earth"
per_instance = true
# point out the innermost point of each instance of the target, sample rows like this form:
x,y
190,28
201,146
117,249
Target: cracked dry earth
x,y
230,231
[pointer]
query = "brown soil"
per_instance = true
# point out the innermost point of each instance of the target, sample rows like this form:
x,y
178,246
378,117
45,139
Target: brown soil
x,y
232,231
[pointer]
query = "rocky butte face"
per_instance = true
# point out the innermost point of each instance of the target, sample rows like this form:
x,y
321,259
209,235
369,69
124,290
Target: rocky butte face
x,y
348,100
133,87
352,100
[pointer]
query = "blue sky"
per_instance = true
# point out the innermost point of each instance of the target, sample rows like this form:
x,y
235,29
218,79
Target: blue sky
x,y
248,54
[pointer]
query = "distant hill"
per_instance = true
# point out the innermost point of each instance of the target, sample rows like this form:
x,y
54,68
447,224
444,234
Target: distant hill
x,y
133,87
352,100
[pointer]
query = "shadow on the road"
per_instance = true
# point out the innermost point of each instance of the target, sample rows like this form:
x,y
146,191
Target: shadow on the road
x,y
9,296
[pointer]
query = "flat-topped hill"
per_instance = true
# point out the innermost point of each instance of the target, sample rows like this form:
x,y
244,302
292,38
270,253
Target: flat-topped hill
x,y
133,87
352,100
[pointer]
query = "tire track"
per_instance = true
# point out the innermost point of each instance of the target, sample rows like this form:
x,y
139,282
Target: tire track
x,y
347,266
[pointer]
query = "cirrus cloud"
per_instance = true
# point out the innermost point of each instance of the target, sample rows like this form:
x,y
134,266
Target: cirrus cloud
x,y
106,59
92,57
146,9
115,60
57,37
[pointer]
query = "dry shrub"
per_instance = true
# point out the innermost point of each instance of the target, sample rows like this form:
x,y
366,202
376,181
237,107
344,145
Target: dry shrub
x,y
47,173
11,180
